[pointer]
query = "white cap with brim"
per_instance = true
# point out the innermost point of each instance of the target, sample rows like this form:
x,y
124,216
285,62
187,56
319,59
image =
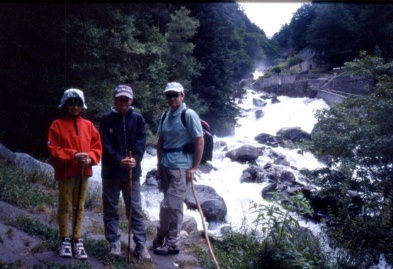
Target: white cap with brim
x,y
174,87
124,90
72,93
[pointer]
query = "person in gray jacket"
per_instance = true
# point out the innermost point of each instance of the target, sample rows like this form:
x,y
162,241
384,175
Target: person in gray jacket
x,y
179,152
123,130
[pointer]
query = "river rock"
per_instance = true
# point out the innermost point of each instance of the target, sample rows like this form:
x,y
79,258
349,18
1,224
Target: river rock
x,y
295,134
253,174
189,224
213,206
258,102
219,144
245,153
267,139
279,158
259,114
275,100
151,179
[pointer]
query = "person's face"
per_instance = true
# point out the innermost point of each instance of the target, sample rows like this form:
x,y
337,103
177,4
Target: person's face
x,y
74,107
175,99
122,104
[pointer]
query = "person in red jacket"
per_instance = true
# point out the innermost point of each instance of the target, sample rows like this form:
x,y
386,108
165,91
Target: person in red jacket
x,y
75,145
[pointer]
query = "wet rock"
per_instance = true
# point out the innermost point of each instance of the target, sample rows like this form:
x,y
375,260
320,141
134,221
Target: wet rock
x,y
258,102
287,177
213,206
294,134
206,168
151,179
253,174
219,144
245,153
268,140
259,114
275,100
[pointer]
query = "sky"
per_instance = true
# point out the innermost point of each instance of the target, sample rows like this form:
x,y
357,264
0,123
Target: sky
x,y
270,16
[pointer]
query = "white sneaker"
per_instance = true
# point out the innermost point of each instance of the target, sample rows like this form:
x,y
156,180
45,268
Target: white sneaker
x,y
79,250
115,248
65,248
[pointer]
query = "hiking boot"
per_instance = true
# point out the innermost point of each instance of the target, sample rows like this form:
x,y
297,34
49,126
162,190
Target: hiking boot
x,y
115,248
79,250
142,253
166,250
156,244
65,248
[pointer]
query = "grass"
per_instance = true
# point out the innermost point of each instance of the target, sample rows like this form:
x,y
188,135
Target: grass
x,y
18,189
95,248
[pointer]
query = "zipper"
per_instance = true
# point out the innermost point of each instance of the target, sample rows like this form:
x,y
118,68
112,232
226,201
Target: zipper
x,y
76,127
125,135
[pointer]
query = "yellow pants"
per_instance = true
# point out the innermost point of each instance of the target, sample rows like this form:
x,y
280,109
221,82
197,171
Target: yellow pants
x,y
71,192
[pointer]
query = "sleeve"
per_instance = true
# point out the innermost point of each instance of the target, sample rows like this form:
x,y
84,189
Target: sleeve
x,y
95,145
194,126
56,150
107,147
140,139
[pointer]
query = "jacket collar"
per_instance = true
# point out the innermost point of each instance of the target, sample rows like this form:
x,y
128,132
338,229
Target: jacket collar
x,y
114,110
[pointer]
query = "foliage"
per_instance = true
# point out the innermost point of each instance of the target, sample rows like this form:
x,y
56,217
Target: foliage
x,y
48,47
358,134
285,244
14,190
338,31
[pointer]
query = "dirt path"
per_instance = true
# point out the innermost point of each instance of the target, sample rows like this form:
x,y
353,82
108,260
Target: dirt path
x,y
23,250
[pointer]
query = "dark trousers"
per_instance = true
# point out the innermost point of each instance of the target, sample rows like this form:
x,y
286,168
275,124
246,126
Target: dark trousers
x,y
110,197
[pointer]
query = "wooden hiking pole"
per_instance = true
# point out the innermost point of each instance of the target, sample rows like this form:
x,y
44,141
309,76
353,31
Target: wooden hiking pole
x,y
130,212
204,225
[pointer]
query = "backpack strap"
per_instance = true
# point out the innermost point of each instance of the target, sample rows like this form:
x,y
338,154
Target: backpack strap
x,y
183,118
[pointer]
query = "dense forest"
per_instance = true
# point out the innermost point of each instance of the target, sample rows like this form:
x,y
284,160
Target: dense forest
x,y
46,48
339,31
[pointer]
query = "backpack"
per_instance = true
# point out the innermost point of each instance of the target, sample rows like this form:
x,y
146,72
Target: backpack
x,y
207,136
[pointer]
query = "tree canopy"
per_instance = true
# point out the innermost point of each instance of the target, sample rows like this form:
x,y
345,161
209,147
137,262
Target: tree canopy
x,y
46,48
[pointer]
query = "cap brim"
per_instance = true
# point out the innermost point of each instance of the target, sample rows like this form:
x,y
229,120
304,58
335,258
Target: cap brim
x,y
173,90
124,94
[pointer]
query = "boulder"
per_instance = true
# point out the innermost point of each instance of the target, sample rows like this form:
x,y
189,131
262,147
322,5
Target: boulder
x,y
27,164
275,100
245,153
189,224
254,174
268,140
151,179
295,134
213,206
258,102
259,113
219,144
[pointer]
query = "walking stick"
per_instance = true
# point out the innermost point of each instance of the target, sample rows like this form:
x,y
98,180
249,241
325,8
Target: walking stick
x,y
130,212
204,225
77,201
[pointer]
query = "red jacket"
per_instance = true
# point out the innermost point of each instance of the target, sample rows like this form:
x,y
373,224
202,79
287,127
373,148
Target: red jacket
x,y
68,136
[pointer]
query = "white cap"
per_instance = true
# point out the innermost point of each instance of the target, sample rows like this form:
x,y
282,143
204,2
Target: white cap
x,y
72,93
174,87
124,90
